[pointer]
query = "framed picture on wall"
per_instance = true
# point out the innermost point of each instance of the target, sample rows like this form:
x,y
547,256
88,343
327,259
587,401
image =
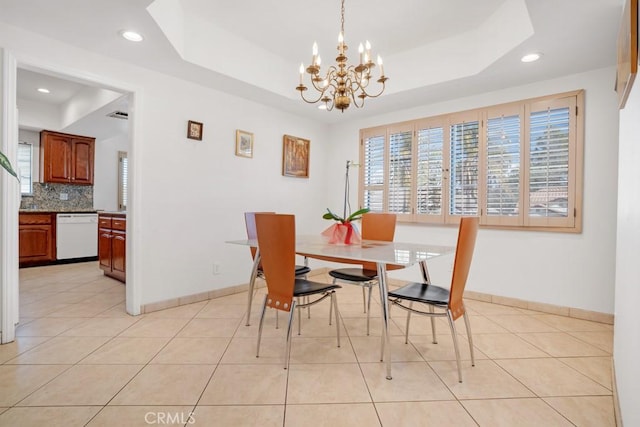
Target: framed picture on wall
x,y
295,156
244,143
627,44
194,130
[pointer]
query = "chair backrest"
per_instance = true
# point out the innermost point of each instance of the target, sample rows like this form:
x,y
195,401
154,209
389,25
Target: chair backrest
x,y
250,222
277,240
377,226
464,253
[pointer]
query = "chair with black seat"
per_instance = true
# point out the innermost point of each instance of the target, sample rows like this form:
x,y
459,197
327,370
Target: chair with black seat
x,y
375,226
276,239
250,222
448,300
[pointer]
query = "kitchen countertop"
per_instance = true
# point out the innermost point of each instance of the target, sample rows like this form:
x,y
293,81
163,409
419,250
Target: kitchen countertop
x,y
57,211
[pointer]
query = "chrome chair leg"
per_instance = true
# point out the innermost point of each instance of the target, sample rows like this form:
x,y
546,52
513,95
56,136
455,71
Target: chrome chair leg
x,y
331,305
364,301
334,303
264,309
368,308
300,315
454,335
406,329
468,328
433,326
289,327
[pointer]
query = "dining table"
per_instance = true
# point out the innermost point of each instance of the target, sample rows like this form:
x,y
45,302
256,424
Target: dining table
x,y
381,253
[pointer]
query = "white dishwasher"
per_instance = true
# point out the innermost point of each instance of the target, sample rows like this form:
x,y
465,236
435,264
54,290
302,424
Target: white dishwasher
x,y
76,235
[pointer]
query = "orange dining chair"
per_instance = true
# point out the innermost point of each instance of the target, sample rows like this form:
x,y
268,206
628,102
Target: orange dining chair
x,y
375,226
250,222
276,240
449,301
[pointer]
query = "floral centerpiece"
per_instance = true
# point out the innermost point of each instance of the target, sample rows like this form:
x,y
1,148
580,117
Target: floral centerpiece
x,y
343,232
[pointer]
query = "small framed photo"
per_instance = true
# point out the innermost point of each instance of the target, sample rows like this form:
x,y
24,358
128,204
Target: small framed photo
x,y
244,143
194,130
295,156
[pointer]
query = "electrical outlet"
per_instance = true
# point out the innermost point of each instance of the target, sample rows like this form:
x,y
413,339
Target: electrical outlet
x,y
64,196
216,268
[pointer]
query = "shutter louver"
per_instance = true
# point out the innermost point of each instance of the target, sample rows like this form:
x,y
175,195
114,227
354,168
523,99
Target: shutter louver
x,y
463,190
503,166
400,172
429,171
25,168
123,179
373,169
549,163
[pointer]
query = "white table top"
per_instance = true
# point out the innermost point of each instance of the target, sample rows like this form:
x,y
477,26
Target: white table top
x,y
369,250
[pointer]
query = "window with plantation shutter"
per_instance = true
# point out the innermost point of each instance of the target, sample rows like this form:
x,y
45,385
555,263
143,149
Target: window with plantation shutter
x,y
429,172
123,179
514,165
400,171
25,167
372,171
502,172
550,163
463,181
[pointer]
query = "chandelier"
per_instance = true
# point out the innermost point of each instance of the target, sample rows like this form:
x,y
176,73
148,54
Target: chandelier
x,y
342,83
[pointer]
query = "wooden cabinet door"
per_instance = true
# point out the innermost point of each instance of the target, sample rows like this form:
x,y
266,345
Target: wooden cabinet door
x,y
56,159
104,249
36,243
118,253
82,161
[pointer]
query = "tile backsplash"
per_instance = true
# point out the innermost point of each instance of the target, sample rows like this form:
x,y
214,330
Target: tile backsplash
x,y
47,196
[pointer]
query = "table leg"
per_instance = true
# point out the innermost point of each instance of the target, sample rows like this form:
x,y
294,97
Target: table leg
x,y
252,283
384,302
425,272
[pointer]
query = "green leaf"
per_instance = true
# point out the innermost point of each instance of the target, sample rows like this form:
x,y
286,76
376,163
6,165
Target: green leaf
x,y
331,215
357,214
5,163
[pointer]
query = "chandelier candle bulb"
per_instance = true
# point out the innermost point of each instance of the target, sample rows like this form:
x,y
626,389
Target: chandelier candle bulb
x,y
381,66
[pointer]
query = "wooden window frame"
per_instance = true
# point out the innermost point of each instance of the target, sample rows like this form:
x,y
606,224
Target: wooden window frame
x,y
571,223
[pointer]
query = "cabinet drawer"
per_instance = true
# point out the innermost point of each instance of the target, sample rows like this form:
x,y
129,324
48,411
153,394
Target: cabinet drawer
x,y
104,222
35,219
119,224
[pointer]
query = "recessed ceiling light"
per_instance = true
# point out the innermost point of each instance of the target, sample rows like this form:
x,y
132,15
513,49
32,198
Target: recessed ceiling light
x,y
43,90
322,107
531,57
132,36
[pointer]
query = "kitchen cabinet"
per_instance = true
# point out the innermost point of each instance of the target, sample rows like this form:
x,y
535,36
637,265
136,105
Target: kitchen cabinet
x,y
66,158
112,244
36,238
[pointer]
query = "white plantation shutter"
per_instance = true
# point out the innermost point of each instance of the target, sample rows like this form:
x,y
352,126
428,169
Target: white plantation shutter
x,y
400,171
551,155
463,181
429,172
514,165
372,171
502,171
123,179
25,167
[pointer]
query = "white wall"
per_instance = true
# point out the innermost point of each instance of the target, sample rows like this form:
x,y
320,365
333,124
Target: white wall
x,y
188,197
105,188
626,351
574,270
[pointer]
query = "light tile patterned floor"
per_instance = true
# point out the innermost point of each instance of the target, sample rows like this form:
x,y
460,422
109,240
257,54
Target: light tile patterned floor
x,y
79,359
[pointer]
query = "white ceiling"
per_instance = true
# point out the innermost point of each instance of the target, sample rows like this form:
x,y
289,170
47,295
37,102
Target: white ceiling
x,y
573,35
